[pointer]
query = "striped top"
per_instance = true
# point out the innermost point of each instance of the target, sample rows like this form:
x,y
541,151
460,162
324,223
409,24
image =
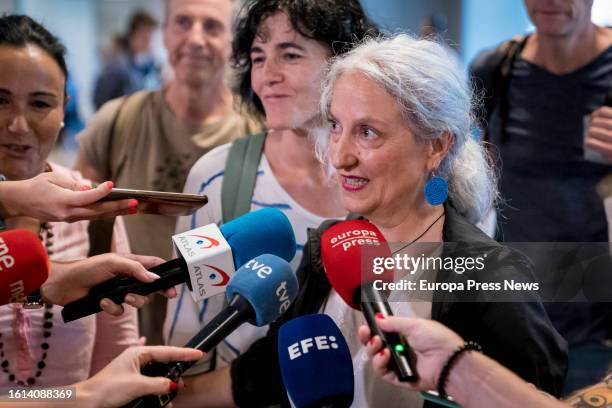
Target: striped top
x,y
185,317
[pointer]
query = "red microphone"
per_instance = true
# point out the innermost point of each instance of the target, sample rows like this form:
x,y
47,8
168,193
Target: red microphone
x,y
348,250
24,265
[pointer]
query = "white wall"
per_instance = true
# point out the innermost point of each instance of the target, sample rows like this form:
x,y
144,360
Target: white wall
x,y
74,22
486,23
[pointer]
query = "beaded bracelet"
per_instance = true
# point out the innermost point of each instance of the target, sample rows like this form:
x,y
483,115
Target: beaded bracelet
x,y
467,346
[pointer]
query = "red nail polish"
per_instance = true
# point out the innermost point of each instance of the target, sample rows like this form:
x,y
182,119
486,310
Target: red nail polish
x,y
133,203
110,184
173,386
84,188
380,315
132,211
382,352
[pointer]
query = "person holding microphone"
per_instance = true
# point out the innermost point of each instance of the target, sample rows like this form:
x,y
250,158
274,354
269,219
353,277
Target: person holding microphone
x,y
446,364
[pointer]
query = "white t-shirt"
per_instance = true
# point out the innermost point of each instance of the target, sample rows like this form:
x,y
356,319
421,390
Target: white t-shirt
x,y
185,317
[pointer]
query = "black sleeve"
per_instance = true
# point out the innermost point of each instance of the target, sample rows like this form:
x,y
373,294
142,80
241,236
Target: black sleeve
x,y
517,334
256,378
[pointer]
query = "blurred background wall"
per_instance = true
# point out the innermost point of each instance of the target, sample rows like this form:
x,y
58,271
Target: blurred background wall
x,y
87,26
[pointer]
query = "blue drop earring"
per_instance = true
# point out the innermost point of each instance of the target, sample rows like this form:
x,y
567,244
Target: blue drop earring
x,y
436,190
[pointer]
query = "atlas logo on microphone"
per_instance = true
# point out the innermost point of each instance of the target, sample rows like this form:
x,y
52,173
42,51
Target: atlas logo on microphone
x,y
351,238
317,343
200,242
263,271
204,280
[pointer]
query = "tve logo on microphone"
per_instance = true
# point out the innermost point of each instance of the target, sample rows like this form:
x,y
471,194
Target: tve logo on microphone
x,y
302,347
262,271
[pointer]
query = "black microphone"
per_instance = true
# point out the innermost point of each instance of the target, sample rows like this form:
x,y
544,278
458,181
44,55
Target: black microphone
x,y
258,293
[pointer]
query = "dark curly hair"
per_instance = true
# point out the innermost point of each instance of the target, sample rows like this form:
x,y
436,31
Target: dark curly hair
x,y
20,30
335,23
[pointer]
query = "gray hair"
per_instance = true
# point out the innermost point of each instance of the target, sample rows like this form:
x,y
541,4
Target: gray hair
x,y
435,100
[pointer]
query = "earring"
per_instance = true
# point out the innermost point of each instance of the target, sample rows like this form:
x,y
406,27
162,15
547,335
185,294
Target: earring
x,y
436,190
62,124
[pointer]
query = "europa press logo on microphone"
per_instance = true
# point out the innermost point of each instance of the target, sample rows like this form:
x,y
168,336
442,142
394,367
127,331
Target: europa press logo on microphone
x,y
355,237
303,346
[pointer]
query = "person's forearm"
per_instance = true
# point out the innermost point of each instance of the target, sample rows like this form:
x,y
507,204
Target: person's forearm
x,y
210,390
476,381
8,209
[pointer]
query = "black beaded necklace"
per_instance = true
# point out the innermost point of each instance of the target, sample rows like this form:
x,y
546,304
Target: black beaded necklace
x,y
46,235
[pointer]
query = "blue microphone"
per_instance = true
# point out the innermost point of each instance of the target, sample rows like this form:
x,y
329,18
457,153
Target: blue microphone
x,y
258,293
266,231
315,363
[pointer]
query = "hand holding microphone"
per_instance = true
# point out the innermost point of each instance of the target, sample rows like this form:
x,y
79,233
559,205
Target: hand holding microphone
x,y
259,292
25,268
315,363
432,342
204,265
121,381
69,281
347,249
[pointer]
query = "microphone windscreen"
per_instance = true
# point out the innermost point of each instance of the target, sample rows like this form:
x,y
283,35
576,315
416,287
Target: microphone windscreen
x,y
348,250
24,264
265,231
315,362
268,283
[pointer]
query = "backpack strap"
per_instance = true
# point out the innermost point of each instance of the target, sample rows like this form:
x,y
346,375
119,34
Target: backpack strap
x,y
493,79
240,175
100,231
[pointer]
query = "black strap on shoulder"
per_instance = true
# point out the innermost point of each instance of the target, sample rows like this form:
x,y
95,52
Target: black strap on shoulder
x,y
240,175
493,79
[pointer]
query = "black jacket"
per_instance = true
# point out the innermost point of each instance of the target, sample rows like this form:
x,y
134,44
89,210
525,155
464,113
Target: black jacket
x,y
518,335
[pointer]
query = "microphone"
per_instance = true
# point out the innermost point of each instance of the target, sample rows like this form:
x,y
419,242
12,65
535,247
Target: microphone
x,y
24,265
347,251
259,292
204,262
315,363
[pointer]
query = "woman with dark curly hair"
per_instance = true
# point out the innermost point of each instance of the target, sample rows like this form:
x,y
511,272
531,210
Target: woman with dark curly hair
x,y
280,51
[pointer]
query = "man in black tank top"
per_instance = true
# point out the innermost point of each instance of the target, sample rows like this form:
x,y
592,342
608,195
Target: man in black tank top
x,y
553,133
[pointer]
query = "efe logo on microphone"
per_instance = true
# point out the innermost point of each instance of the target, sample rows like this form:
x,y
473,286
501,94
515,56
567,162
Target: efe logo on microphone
x,y
302,347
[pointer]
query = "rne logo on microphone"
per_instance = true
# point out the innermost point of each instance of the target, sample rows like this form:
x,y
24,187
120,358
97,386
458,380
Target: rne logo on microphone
x,y
6,260
303,346
352,238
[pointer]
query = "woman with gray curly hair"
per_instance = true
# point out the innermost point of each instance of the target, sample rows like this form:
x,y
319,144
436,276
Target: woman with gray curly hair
x,y
433,107
401,147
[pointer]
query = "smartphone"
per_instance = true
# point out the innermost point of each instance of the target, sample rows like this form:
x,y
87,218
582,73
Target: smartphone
x,y
160,202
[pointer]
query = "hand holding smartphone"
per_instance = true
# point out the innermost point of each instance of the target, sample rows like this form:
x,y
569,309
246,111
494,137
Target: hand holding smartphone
x,y
160,202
